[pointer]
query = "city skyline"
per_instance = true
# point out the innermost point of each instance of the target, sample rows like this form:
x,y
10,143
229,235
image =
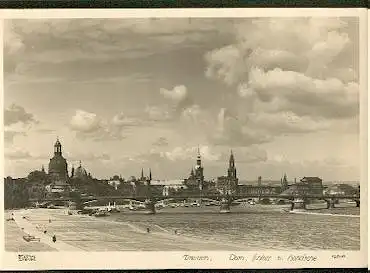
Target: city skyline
x,y
126,94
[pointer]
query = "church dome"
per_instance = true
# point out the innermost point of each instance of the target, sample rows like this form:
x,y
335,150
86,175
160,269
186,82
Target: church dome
x,y
80,172
58,167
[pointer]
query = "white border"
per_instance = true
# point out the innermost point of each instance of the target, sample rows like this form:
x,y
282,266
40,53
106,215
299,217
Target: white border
x,y
220,259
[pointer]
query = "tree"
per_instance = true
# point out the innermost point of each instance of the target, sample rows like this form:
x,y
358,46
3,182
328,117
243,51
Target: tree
x,y
15,193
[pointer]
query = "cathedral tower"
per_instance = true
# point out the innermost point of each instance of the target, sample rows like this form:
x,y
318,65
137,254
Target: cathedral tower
x,y
231,172
199,171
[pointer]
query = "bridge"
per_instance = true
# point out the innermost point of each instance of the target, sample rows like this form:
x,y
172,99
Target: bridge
x,y
298,201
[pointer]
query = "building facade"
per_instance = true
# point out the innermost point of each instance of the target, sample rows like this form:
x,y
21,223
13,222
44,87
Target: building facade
x,y
228,184
196,179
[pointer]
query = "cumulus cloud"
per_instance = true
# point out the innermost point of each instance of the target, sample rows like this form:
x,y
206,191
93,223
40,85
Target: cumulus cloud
x,y
17,122
121,120
85,122
192,113
302,94
161,142
156,113
17,114
302,82
89,125
177,94
190,153
233,131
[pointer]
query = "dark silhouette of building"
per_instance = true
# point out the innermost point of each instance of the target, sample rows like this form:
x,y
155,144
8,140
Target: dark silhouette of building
x,y
80,172
314,184
199,171
229,184
259,182
284,183
58,167
196,178
306,186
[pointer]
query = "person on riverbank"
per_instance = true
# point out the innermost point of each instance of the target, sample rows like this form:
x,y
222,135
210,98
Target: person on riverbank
x,y
147,230
54,238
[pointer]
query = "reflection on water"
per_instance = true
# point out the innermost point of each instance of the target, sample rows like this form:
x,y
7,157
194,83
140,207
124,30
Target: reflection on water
x,y
255,228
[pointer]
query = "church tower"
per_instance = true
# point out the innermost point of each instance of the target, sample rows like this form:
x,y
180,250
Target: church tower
x,y
231,170
231,174
284,183
199,171
142,178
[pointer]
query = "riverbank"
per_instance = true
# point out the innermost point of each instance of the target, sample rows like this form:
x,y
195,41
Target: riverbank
x,y
247,227
86,233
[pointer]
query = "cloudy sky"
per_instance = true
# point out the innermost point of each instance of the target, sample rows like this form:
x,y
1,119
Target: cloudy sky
x,y
126,94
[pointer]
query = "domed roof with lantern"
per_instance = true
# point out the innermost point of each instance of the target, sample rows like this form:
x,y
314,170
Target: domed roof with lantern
x,y
80,172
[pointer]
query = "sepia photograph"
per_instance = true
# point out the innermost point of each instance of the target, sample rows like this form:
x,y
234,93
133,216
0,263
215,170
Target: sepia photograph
x,y
182,134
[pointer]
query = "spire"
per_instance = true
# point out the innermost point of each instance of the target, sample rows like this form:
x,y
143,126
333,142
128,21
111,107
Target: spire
x,y
142,173
80,163
231,160
150,174
199,160
42,168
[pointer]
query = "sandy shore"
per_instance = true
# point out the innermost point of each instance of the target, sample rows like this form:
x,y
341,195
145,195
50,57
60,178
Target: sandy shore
x,y
86,233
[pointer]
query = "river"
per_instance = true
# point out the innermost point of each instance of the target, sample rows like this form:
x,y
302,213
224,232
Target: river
x,y
256,227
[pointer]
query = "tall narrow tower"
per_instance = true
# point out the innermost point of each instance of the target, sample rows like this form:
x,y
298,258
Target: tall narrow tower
x,y
199,160
284,182
142,174
232,180
199,171
232,170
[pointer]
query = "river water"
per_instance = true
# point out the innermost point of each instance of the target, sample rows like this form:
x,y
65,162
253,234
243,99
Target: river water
x,y
256,227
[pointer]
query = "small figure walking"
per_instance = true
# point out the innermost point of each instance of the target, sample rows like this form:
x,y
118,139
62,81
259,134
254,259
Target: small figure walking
x,y
49,220
175,231
147,230
54,238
